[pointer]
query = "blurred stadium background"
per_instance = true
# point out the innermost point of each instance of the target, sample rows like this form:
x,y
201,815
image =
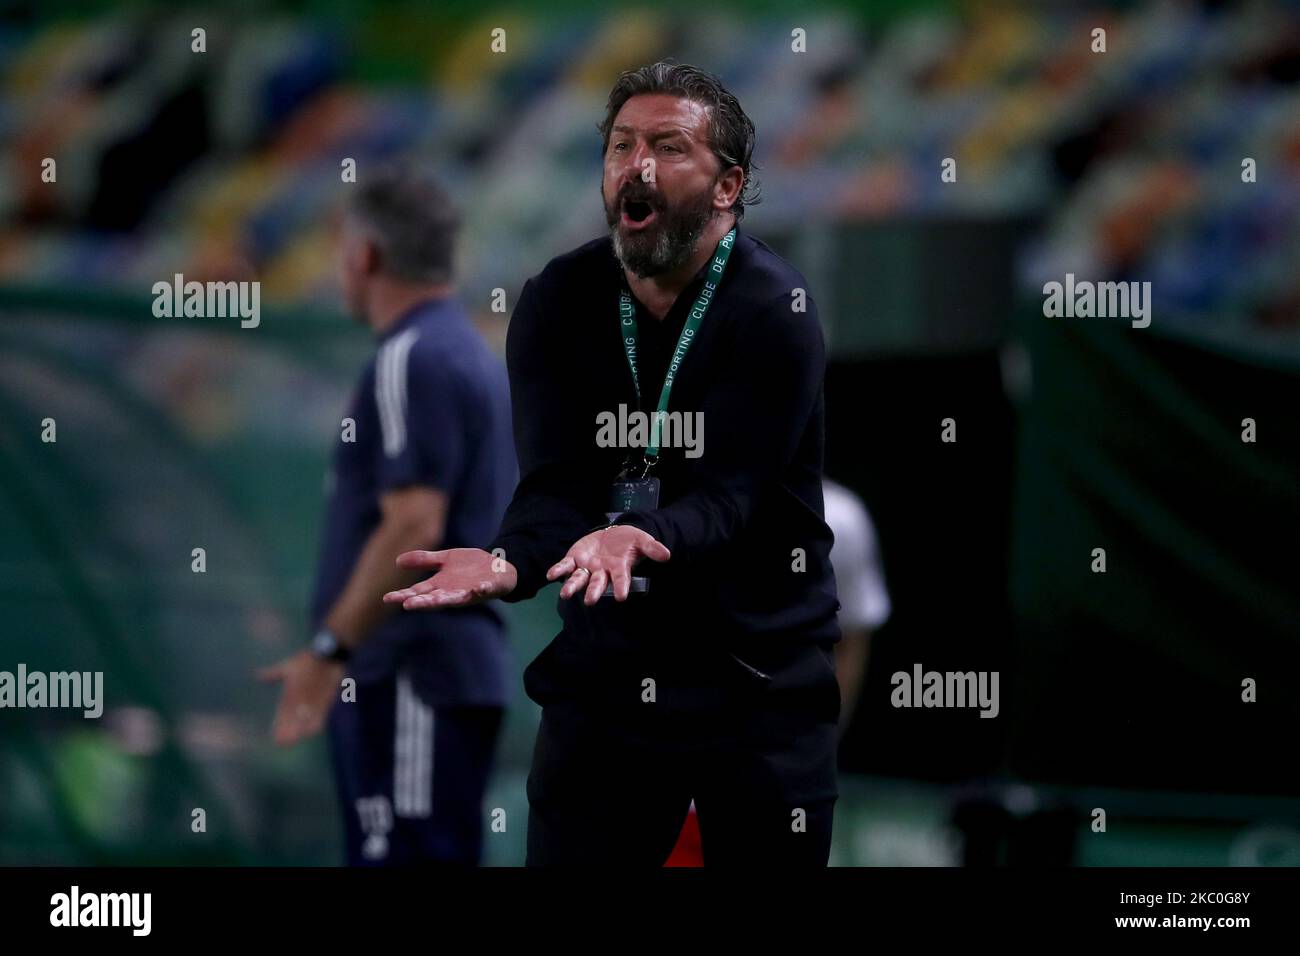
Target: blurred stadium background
x,y
1120,691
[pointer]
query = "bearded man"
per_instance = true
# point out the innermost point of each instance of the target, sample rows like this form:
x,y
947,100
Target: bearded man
x,y
696,660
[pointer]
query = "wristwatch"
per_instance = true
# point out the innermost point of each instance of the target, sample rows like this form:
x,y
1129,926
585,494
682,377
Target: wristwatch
x,y
326,646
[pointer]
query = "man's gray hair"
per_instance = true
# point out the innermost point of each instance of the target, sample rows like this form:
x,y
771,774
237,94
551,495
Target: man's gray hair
x,y
412,220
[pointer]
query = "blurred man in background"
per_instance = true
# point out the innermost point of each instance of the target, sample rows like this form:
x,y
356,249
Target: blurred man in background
x,y
425,461
860,585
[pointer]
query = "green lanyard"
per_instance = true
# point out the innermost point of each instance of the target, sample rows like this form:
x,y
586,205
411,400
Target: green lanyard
x,y
627,317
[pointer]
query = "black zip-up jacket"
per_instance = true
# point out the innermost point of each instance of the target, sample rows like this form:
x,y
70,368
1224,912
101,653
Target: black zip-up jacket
x,y
750,571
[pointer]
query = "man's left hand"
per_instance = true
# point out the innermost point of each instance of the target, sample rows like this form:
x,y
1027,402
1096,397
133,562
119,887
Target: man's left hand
x,y
604,556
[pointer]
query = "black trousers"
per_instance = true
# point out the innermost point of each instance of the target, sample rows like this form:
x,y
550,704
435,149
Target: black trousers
x,y
612,780
411,777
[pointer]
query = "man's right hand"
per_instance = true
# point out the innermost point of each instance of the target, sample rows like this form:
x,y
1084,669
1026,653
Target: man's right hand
x,y
465,576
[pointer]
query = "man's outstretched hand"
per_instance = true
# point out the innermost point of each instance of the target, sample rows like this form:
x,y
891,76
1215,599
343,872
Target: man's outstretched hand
x,y
604,556
464,576
311,686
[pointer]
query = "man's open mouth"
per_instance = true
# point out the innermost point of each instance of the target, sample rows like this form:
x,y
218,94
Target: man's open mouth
x,y
637,211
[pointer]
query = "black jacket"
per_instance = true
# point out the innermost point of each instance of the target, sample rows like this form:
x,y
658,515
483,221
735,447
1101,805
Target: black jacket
x,y
750,568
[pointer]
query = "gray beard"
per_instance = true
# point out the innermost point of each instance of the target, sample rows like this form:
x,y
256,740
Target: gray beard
x,y
674,243
664,256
